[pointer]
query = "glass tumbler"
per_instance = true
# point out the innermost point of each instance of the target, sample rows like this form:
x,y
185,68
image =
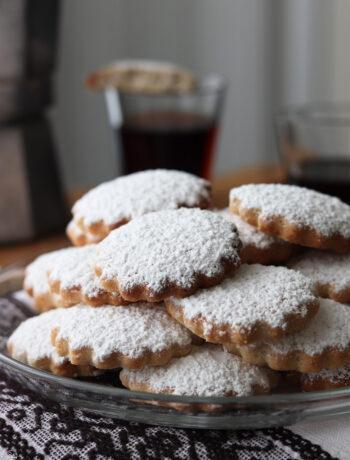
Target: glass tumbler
x,y
173,131
314,145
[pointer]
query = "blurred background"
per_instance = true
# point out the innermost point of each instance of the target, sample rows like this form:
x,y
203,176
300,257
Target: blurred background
x,y
55,134
272,52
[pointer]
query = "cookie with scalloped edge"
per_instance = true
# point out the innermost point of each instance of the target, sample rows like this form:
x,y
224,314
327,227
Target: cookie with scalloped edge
x,y
30,343
116,202
145,76
207,371
73,279
78,237
258,303
323,344
327,379
167,253
258,247
36,284
135,336
329,271
295,214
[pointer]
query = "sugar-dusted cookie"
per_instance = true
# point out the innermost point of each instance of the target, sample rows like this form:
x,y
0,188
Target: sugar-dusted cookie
x,y
329,271
115,203
36,285
207,371
73,279
30,343
258,303
142,76
78,237
167,253
132,337
327,379
295,214
258,247
323,344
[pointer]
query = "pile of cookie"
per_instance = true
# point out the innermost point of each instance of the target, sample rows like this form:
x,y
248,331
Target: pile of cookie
x,y
189,300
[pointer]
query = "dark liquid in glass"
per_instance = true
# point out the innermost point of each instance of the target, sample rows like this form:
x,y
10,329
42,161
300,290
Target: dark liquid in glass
x,y
331,176
170,140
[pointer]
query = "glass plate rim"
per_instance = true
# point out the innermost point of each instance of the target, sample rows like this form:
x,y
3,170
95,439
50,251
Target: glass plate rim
x,y
271,399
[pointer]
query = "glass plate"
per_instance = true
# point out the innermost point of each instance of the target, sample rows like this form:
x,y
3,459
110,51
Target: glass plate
x,y
105,395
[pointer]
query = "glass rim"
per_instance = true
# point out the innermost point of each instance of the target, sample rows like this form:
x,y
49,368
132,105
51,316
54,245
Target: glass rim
x,y
322,113
207,84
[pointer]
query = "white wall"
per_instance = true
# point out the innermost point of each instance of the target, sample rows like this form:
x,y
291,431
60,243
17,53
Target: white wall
x,y
272,52
341,52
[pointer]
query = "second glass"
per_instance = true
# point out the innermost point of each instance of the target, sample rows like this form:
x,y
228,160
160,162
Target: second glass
x,y
314,144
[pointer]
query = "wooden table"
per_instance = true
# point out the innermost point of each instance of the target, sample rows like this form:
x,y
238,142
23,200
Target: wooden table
x,y
221,187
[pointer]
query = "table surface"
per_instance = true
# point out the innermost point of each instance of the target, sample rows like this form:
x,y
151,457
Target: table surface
x,y
221,187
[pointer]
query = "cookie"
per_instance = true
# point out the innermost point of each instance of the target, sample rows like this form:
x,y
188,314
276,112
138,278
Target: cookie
x,y
109,337
329,271
259,302
30,343
115,203
258,247
167,253
78,237
294,214
73,279
139,76
323,344
327,379
36,285
207,371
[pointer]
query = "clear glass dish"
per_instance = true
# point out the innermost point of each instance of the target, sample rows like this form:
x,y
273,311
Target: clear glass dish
x,y
104,394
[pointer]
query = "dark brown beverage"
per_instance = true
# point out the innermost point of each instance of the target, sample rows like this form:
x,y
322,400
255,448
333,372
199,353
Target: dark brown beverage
x,y
170,140
331,176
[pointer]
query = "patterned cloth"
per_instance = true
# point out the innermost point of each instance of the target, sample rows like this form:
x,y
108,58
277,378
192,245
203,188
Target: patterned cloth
x,y
32,427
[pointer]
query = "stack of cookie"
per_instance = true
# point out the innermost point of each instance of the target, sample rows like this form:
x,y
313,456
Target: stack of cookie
x,y
166,272
316,354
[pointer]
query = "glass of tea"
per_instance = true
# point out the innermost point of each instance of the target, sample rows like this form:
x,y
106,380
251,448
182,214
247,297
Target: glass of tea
x,y
172,130
314,144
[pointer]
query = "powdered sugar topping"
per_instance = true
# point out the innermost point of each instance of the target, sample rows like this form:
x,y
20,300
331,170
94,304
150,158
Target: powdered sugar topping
x,y
137,194
168,247
329,328
339,375
249,235
254,294
207,371
35,273
325,267
73,270
74,229
131,330
299,206
31,341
